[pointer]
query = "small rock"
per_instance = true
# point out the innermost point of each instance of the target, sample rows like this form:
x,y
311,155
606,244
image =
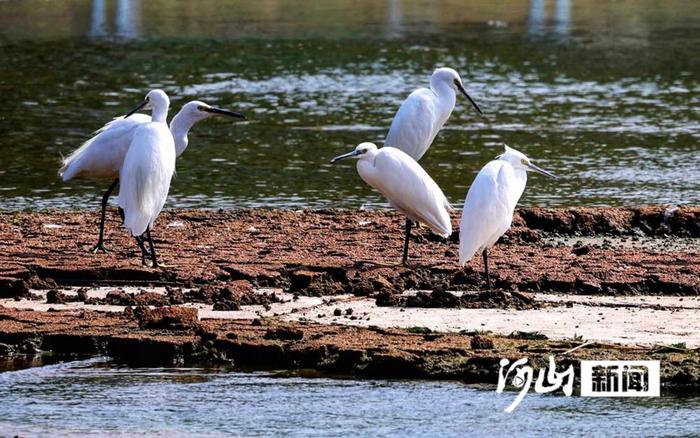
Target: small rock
x,y
581,250
481,343
175,295
284,334
151,299
55,296
119,298
170,318
83,294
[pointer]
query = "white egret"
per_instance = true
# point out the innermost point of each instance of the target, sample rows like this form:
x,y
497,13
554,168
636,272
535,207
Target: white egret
x,y
103,155
491,200
424,112
407,187
145,176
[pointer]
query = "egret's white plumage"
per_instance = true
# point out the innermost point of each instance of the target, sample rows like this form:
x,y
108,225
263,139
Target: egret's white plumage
x,y
491,200
404,183
421,116
148,167
103,155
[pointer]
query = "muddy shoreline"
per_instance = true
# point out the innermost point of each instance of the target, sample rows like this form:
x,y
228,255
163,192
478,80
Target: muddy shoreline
x,y
173,337
220,261
579,250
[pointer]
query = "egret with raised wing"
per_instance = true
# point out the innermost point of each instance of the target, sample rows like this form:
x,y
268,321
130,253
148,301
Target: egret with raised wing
x,y
490,203
103,155
407,187
421,116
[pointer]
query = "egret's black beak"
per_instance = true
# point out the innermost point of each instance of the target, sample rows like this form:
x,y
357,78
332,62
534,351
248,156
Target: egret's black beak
x,y
223,112
461,88
344,156
138,108
541,170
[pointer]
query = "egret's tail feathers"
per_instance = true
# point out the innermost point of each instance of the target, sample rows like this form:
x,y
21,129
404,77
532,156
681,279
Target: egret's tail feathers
x,y
71,165
67,172
465,252
468,246
441,225
444,230
136,222
140,200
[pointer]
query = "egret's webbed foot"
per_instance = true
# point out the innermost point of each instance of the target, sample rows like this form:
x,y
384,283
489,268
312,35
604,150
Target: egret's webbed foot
x,y
99,247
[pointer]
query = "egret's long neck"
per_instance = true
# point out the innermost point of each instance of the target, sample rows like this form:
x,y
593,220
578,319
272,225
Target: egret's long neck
x,y
160,113
446,97
519,187
180,126
442,89
366,169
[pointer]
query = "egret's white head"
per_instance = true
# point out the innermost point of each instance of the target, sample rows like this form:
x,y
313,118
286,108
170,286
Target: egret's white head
x,y
361,151
197,110
519,161
155,99
449,77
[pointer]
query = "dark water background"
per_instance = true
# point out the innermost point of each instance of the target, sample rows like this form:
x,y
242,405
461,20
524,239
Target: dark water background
x,y
63,400
603,93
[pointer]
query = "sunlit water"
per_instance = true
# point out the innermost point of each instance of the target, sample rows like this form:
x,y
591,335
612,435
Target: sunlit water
x,y
605,94
96,398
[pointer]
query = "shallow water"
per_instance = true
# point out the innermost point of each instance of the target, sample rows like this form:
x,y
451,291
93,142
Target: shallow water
x,y
604,94
62,400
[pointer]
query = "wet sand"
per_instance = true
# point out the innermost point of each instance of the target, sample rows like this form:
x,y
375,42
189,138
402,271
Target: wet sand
x,y
324,290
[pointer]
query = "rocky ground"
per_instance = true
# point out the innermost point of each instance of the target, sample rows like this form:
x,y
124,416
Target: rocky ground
x,y
325,290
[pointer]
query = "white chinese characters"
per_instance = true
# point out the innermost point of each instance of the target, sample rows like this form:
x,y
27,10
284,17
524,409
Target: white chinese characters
x,y
548,379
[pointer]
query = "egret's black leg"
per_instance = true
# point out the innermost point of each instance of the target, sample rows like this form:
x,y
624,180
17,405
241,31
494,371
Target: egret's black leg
x,y
153,248
144,253
405,242
100,246
486,269
121,213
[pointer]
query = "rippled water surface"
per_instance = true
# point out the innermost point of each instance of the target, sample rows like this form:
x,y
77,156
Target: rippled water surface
x,y
605,94
96,398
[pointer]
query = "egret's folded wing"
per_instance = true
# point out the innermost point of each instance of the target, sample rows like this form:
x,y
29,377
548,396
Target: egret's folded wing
x,y
484,211
412,129
411,190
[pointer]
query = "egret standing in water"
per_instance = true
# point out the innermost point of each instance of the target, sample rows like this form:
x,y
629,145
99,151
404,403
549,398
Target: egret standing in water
x,y
145,176
407,187
490,203
424,112
103,155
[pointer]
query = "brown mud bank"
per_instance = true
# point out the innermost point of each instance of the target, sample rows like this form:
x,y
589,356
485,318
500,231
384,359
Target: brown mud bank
x,y
174,336
649,250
